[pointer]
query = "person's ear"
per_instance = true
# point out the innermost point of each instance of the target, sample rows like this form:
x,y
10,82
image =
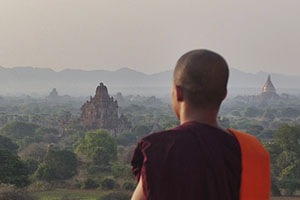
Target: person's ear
x,y
179,93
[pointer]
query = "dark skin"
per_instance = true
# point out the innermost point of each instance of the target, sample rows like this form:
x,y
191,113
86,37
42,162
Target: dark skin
x,y
205,74
186,111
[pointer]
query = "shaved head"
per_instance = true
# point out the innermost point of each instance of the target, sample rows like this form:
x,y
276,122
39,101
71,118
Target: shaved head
x,y
202,76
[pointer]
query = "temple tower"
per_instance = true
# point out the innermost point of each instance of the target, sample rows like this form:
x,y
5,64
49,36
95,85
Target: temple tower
x,y
101,111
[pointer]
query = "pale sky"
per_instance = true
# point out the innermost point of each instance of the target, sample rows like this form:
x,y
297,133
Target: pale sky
x,y
149,35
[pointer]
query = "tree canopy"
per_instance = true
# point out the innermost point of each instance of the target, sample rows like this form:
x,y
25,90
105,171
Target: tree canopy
x,y
285,158
58,165
99,146
12,169
18,130
8,144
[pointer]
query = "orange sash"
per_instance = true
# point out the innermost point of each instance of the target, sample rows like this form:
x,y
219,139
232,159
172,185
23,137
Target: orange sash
x,y
256,180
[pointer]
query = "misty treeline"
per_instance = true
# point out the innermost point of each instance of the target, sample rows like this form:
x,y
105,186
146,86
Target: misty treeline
x,y
40,149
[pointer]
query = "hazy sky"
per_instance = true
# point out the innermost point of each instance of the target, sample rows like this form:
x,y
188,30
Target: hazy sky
x,y
149,35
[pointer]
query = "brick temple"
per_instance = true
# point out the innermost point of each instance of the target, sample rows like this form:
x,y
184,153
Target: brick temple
x,y
101,112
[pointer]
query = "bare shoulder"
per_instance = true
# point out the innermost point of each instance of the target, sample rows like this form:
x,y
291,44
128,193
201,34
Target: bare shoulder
x,y
138,193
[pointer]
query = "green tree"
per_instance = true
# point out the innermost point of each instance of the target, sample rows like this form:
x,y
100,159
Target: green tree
x,y
58,165
141,130
120,170
31,164
254,129
99,146
108,183
285,158
27,140
89,184
290,185
12,169
252,112
169,124
46,131
290,112
48,135
129,186
18,130
125,153
267,134
10,192
36,151
126,139
8,144
241,124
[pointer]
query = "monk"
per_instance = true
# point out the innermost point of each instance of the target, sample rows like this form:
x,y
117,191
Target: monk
x,y
199,159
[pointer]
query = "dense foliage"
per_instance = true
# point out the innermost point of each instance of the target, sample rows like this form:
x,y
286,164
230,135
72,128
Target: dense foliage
x,y
12,169
99,146
9,192
8,144
18,130
56,152
58,165
285,159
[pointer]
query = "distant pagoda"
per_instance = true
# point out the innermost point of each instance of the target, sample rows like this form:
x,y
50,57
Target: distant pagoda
x,y
101,112
269,91
53,95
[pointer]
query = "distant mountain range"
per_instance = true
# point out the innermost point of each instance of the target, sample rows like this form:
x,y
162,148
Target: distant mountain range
x,y
40,81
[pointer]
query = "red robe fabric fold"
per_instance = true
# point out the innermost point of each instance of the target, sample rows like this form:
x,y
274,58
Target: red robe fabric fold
x,y
196,161
191,162
256,178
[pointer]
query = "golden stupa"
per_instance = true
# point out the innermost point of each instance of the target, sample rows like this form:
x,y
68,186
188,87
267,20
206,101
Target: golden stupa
x,y
269,87
269,91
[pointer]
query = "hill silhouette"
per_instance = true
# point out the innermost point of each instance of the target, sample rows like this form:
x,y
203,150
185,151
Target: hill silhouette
x,y
40,81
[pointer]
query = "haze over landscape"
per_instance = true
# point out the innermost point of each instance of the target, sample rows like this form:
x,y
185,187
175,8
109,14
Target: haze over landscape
x,y
39,82
149,36
83,81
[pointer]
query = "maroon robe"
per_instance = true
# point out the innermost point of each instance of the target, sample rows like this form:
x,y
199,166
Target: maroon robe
x,y
194,161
